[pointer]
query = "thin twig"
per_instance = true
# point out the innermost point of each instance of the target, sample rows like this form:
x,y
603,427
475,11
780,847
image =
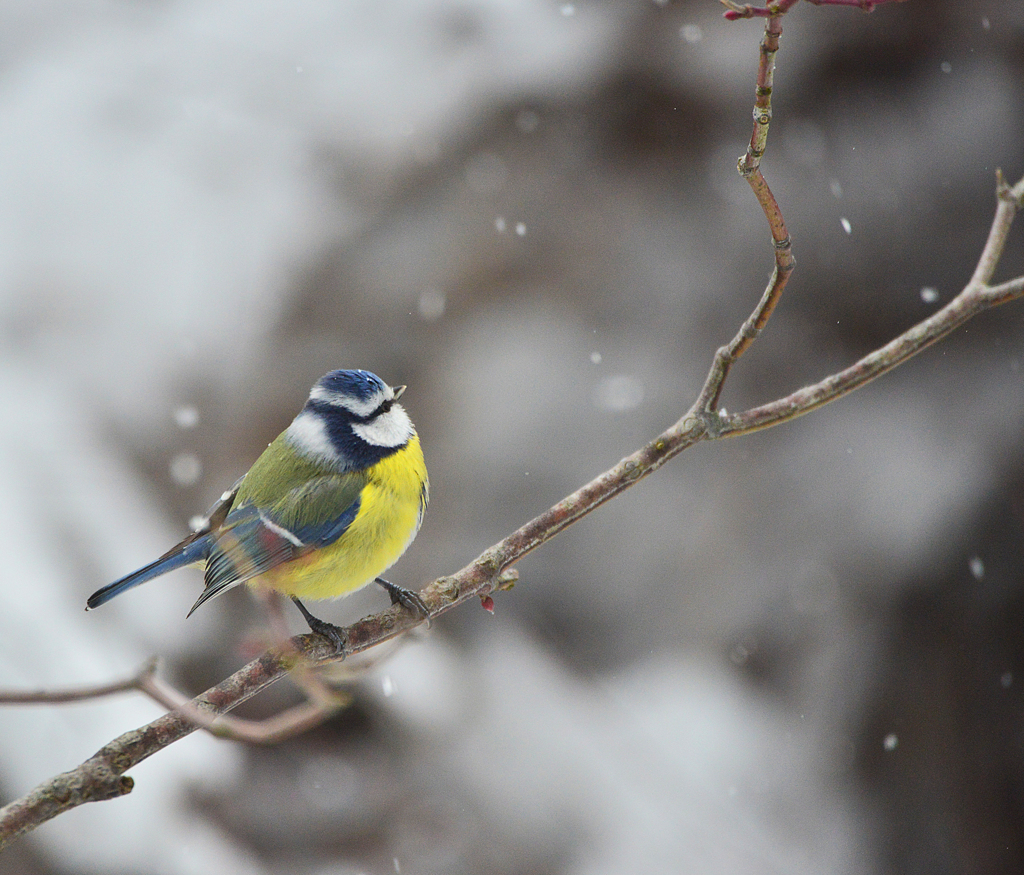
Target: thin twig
x,y
749,167
80,694
270,730
1007,199
973,299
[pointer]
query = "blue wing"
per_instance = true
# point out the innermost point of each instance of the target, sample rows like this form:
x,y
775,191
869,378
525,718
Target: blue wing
x,y
240,543
254,540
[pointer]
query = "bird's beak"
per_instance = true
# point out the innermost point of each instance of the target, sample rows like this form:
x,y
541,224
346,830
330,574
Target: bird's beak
x,y
398,390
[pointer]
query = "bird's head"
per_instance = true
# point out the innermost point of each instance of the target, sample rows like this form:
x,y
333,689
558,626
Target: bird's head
x,y
351,420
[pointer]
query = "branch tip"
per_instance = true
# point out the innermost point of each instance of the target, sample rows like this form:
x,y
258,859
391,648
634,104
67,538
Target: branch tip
x,y
506,580
1011,194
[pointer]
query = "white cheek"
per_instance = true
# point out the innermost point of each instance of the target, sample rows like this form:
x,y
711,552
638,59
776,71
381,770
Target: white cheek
x,y
309,437
391,429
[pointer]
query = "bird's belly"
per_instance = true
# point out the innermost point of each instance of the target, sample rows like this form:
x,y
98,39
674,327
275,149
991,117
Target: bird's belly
x,y
385,526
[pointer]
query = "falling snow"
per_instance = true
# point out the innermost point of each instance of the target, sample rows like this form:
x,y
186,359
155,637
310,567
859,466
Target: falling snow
x,y
185,469
977,568
431,304
186,416
691,33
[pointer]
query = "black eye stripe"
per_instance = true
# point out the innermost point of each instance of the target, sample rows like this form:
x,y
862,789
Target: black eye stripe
x,y
381,409
333,409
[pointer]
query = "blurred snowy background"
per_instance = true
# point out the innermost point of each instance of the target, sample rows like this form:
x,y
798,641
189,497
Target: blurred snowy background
x,y
795,652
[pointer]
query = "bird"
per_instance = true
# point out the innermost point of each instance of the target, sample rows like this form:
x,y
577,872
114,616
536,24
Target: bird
x,y
327,508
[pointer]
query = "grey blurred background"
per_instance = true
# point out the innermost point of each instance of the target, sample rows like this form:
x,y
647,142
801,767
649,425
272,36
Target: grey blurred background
x,y
794,652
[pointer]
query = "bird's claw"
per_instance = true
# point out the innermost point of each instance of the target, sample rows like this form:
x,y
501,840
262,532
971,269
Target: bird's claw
x,y
334,634
408,599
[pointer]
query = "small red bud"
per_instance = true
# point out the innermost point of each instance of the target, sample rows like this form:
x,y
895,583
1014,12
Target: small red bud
x,y
487,603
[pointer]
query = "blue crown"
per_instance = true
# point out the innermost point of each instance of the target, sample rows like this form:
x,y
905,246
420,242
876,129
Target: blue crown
x,y
361,385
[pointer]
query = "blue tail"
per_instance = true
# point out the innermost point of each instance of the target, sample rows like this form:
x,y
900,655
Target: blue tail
x,y
178,558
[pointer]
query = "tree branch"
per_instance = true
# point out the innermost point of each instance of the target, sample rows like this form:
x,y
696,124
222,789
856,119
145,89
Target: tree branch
x,y
103,776
975,297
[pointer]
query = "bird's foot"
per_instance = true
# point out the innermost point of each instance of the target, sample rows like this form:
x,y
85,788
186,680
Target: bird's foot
x,y
408,599
335,634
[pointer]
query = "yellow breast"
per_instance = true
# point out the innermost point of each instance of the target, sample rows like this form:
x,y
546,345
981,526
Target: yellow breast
x,y
390,512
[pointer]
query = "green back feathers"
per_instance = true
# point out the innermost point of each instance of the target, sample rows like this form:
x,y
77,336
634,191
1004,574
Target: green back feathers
x,y
295,491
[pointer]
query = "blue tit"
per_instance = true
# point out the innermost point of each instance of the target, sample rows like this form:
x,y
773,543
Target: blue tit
x,y
329,506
